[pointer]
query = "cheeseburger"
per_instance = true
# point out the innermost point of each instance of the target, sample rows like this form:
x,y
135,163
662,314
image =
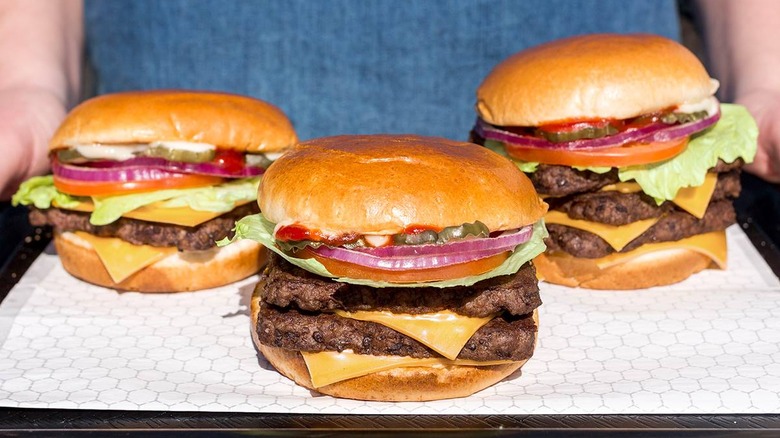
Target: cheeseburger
x,y
144,183
637,159
401,267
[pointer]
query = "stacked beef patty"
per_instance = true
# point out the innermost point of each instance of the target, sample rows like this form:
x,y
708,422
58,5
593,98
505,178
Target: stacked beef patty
x,y
296,313
138,232
578,194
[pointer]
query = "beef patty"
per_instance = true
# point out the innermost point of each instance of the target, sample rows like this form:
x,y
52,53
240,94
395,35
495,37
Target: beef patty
x,y
562,180
138,232
286,285
615,208
673,226
511,338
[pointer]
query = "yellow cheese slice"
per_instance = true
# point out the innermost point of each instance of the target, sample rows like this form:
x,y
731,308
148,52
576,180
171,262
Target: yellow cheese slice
x,y
618,236
123,259
329,367
184,216
444,332
712,245
694,200
623,187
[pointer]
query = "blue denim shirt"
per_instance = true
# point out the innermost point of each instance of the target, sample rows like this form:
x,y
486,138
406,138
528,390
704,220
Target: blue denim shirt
x,y
344,66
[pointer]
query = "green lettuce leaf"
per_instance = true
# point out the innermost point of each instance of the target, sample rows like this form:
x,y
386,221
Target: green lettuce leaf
x,y
500,149
733,137
257,227
221,199
40,192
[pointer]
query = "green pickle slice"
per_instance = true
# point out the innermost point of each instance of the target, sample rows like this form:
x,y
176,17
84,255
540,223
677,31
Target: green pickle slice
x,y
69,156
157,151
476,229
184,155
591,132
673,118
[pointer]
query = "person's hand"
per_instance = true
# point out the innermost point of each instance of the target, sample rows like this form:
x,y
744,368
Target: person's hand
x,y
765,107
28,118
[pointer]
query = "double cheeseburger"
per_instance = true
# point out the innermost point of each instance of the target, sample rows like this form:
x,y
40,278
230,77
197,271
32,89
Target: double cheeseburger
x,y
400,268
624,138
145,183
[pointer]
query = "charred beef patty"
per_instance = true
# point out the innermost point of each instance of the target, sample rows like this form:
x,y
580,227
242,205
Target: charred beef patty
x,y
286,285
296,314
138,232
674,226
562,180
510,338
555,180
615,208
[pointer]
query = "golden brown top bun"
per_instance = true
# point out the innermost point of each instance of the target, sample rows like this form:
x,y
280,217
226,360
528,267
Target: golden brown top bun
x,y
381,184
592,76
227,121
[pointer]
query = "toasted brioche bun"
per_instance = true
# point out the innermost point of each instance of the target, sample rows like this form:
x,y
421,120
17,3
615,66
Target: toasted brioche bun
x,y
184,271
381,184
590,77
227,121
397,384
659,268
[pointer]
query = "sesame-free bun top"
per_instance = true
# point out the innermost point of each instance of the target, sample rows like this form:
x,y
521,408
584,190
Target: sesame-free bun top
x,y
592,76
228,121
381,184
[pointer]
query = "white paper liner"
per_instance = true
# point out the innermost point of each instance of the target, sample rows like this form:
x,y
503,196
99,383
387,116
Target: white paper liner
x,y
710,344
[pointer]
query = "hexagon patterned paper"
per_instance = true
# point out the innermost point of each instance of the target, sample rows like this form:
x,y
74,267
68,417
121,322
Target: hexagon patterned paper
x,y
710,344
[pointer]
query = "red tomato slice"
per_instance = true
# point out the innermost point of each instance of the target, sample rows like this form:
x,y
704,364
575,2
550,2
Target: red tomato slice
x,y
108,188
627,155
345,269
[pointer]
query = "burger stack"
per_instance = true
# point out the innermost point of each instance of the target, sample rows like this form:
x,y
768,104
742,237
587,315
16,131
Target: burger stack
x,y
624,138
144,183
400,268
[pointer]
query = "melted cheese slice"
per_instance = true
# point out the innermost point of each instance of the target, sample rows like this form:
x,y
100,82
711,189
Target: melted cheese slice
x,y
712,245
156,212
694,200
444,332
622,187
617,236
329,367
121,258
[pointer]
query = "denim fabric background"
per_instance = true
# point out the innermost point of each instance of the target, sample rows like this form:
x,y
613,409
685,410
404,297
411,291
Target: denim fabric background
x,y
343,66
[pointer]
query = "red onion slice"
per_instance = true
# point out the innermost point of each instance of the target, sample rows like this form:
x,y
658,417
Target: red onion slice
x,y
402,263
118,174
143,169
403,257
655,132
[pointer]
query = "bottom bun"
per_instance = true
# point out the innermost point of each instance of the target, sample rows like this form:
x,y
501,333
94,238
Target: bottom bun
x,y
654,269
183,271
397,384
